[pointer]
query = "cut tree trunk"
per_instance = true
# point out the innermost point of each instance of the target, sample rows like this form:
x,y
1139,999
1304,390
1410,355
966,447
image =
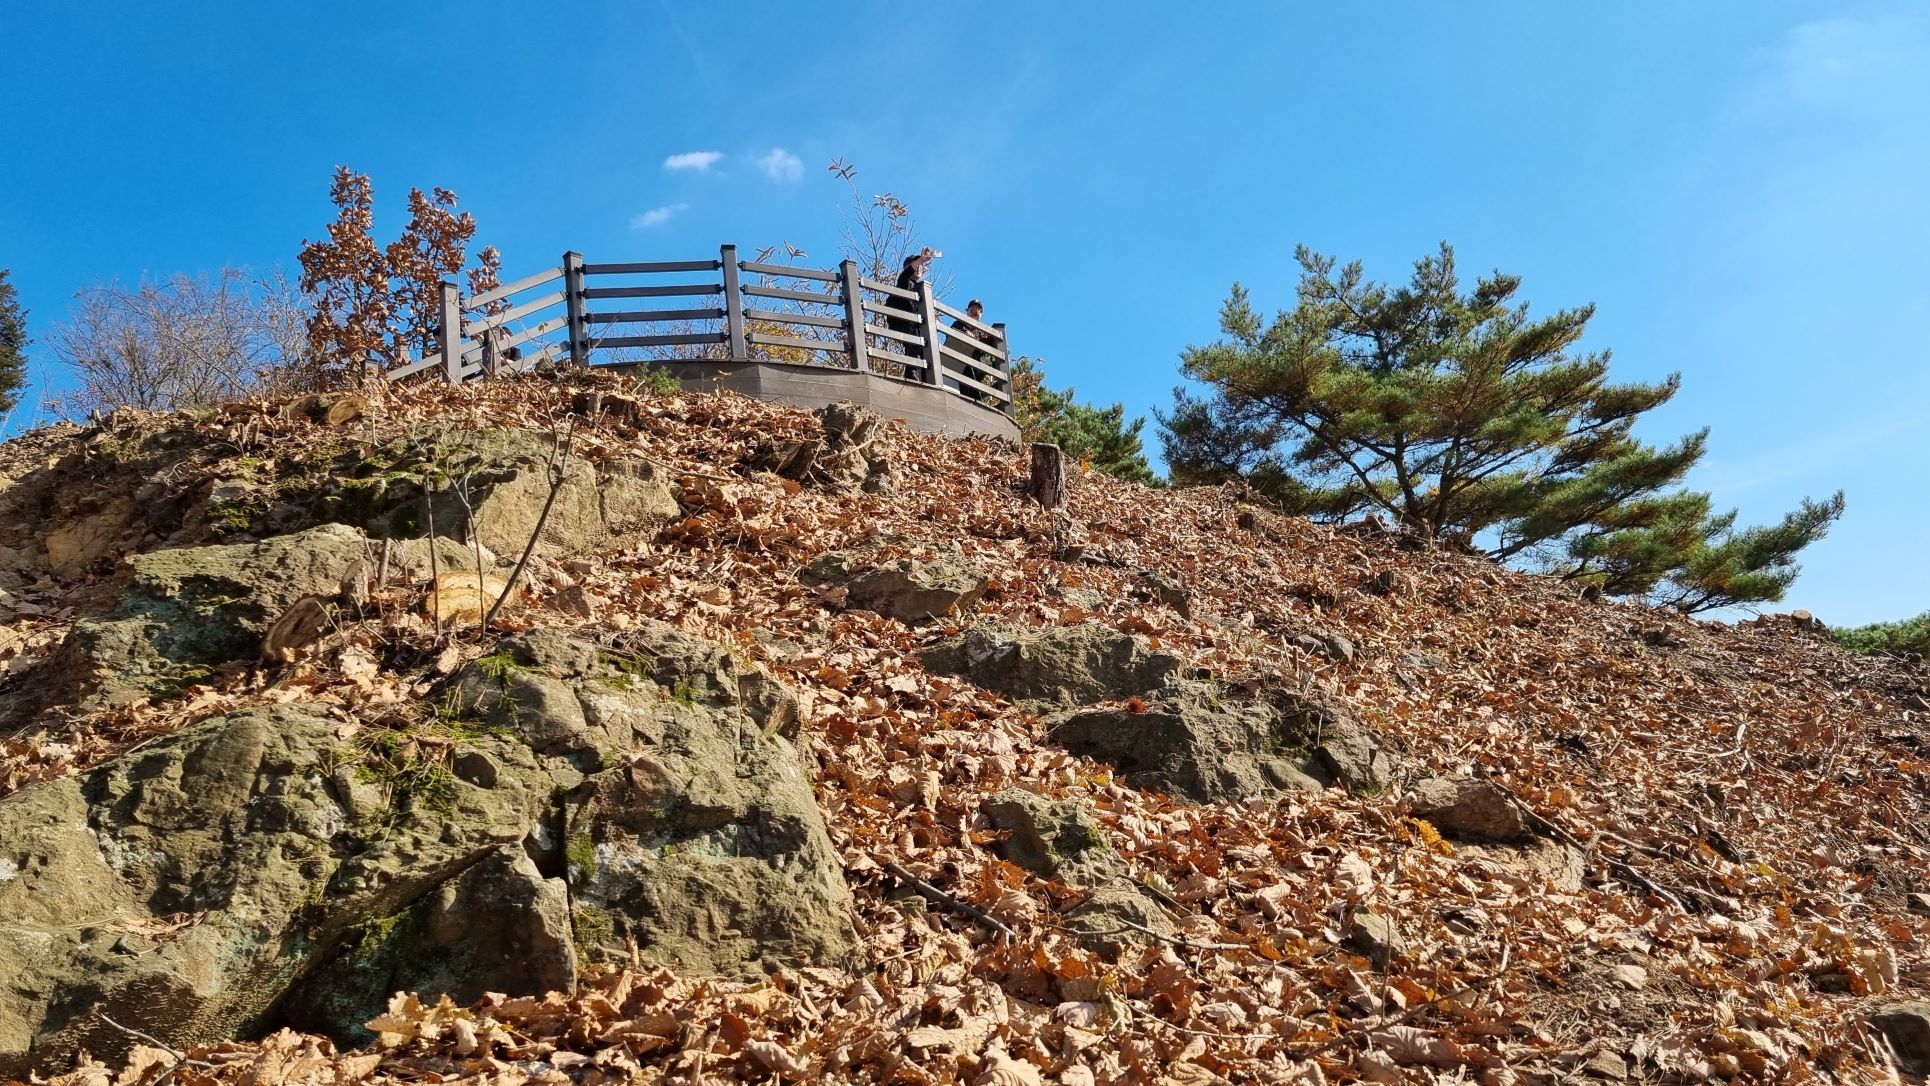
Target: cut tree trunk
x,y
1048,483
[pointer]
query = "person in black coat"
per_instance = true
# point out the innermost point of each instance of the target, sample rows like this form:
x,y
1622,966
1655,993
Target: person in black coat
x,y
908,279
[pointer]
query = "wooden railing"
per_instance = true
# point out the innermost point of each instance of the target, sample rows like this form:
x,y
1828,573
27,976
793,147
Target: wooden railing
x,y
727,310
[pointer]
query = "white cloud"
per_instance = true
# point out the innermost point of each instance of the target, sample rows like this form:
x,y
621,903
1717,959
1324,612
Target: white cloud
x,y
781,165
695,161
657,216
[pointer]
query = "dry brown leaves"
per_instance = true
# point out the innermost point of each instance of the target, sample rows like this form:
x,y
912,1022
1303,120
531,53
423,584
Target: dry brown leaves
x,y
1751,802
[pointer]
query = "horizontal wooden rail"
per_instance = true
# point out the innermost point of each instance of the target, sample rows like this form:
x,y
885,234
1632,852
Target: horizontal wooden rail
x,y
416,367
785,316
967,320
628,315
882,309
660,341
652,267
791,295
904,360
673,290
887,288
507,289
762,340
902,337
789,272
519,337
476,328
953,372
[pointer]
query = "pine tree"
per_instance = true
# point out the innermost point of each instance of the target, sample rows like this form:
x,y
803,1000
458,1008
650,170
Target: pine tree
x,y
1099,436
1460,416
13,345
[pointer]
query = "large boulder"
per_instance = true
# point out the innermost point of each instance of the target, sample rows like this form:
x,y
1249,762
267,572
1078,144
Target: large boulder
x,y
910,590
186,886
504,478
287,866
1054,840
185,611
1907,1027
1070,665
1217,746
703,843
1469,809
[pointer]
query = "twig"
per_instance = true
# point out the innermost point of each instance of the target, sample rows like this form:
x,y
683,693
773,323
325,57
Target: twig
x,y
180,1058
1400,1019
1740,732
1620,867
674,470
1176,940
469,526
435,564
558,467
957,905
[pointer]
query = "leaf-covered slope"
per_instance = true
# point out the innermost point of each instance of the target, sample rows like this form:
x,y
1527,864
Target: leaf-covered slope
x,y
1728,820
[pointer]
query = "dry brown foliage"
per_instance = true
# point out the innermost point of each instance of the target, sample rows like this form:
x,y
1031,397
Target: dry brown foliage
x,y
1749,802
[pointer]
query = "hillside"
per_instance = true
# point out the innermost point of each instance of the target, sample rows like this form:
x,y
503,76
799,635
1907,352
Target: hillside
x,y
1161,789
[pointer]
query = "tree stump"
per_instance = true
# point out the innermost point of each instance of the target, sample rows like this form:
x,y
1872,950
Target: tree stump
x,y
1048,483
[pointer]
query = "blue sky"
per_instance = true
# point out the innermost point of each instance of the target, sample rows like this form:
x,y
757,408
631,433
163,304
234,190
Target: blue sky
x,y
1743,188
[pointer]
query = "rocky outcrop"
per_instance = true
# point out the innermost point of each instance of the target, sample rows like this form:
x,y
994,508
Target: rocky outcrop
x,y
842,457
1061,841
695,832
504,475
1069,665
182,612
911,590
287,866
1054,840
1216,746
188,885
1469,809
1907,1027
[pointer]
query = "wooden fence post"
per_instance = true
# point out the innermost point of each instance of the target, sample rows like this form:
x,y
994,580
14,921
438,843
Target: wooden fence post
x,y
1005,372
451,332
928,313
1048,482
848,274
573,307
733,305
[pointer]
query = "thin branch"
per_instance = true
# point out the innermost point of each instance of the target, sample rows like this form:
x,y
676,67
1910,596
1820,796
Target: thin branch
x,y
558,467
1176,940
939,897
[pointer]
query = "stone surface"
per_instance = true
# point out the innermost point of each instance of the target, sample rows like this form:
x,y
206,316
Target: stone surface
x,y
499,926
562,798
1214,746
1168,591
230,820
1607,1065
841,457
608,505
1333,646
704,842
1054,840
1469,809
1070,665
1374,936
1907,1027
184,611
910,590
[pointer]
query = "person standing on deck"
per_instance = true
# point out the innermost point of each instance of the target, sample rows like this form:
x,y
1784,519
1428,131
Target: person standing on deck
x,y
962,329
908,279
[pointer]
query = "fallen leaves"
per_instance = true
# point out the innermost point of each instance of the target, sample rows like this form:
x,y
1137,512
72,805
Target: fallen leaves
x,y
1635,746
